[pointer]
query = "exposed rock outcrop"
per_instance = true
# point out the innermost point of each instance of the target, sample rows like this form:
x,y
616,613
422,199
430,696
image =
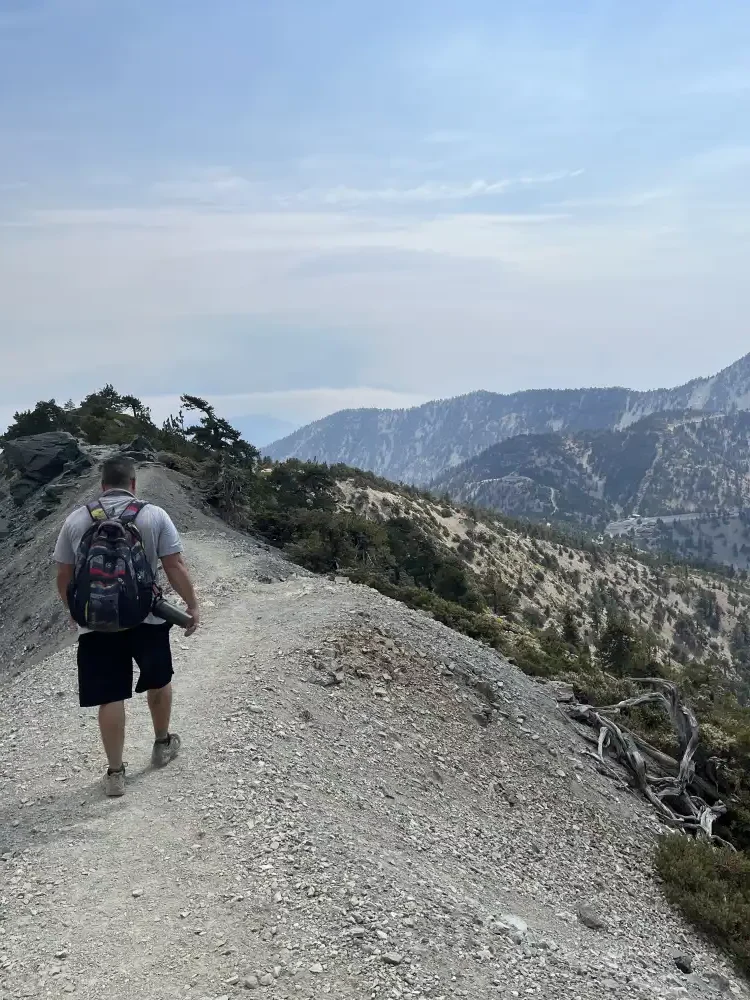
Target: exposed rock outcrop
x,y
41,458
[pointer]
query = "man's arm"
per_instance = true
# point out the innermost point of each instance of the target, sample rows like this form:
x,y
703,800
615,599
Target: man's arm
x,y
65,558
179,577
64,576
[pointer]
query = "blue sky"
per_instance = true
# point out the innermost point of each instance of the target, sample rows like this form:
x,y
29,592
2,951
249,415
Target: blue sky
x,y
294,206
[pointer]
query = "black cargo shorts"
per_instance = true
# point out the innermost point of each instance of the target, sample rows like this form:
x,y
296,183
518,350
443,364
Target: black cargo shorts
x,y
105,663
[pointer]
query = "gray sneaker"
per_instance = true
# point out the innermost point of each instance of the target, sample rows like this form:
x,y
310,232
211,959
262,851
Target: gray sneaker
x,y
165,750
114,782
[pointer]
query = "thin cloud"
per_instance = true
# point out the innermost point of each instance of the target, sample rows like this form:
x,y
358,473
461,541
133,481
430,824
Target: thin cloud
x,y
440,192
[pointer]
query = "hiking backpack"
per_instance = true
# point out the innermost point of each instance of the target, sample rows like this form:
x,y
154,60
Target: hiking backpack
x,y
113,583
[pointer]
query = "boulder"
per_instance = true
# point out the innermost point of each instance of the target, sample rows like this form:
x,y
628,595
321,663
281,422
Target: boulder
x,y
21,489
55,492
140,449
684,962
561,691
78,466
39,459
139,444
591,918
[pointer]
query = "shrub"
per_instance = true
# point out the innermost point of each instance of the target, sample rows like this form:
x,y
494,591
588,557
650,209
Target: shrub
x,y
533,617
179,463
712,888
467,549
499,596
594,687
537,662
475,624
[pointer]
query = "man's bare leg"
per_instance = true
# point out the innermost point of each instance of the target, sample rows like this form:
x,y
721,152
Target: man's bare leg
x,y
160,705
166,744
112,728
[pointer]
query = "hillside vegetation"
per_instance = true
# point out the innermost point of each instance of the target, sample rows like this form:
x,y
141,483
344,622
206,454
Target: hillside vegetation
x,y
598,617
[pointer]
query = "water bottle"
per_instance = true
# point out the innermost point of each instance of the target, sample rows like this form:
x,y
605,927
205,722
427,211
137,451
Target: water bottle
x,y
171,613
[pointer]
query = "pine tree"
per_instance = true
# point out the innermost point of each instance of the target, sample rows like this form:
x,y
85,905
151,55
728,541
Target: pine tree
x,y
46,416
570,632
216,434
500,598
617,645
104,401
140,412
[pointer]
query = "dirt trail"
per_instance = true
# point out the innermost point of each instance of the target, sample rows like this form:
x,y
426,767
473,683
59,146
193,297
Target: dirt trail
x,y
340,822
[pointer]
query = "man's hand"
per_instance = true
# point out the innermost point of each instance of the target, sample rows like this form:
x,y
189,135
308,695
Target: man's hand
x,y
196,616
178,576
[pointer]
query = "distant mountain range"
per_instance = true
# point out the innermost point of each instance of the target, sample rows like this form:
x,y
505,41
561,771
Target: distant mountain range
x,y
664,464
418,445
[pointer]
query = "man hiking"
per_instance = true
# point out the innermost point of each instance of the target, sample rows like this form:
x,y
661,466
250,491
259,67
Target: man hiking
x,y
107,557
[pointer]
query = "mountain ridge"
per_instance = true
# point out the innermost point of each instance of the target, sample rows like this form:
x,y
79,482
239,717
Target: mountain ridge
x,y
417,444
334,694
317,838
679,463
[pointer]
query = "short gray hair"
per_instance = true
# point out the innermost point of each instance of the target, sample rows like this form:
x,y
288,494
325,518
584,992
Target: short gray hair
x,y
118,472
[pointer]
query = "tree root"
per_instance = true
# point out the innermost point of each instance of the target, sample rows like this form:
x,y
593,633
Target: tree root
x,y
681,797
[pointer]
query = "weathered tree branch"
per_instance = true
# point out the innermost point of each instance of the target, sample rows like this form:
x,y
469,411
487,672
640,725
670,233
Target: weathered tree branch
x,y
680,796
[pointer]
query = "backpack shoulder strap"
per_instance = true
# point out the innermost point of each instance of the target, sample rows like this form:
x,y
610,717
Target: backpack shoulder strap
x,y
96,511
132,511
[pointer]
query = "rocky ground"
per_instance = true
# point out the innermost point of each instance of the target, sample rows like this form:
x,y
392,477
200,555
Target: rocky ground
x,y
350,815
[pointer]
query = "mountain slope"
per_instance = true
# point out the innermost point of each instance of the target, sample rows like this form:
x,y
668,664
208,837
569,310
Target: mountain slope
x,y
366,838
540,577
416,445
662,465
722,538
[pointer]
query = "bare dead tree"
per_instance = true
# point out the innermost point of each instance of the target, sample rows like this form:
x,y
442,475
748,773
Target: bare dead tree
x,y
681,796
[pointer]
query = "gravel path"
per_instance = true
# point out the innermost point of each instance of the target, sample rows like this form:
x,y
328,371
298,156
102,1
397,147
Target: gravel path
x,y
347,818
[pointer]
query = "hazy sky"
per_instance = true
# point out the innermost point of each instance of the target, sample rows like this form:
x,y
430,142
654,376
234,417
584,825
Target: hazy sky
x,y
307,205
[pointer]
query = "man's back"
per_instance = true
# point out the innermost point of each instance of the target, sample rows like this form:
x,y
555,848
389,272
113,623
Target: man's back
x,y
160,537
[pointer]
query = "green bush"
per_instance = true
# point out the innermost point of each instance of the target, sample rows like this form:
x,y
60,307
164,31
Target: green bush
x,y
475,624
179,463
107,429
712,888
594,687
535,662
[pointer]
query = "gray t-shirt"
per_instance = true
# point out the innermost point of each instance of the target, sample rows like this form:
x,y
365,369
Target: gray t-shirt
x,y
160,537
